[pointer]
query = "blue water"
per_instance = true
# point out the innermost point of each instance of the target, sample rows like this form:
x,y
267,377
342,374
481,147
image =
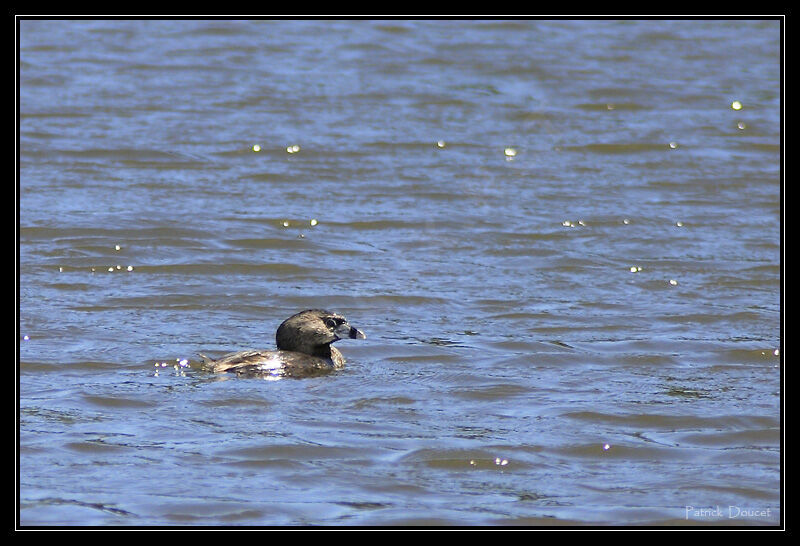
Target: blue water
x,y
561,237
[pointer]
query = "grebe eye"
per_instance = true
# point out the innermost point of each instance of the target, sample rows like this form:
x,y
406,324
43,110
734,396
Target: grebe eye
x,y
330,323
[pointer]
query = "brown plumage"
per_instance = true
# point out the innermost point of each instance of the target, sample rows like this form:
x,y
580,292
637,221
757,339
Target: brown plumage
x,y
304,348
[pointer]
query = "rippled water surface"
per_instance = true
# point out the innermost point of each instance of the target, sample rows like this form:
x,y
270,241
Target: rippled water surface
x,y
562,239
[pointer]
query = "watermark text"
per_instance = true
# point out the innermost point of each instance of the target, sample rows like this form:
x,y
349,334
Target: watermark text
x,y
729,512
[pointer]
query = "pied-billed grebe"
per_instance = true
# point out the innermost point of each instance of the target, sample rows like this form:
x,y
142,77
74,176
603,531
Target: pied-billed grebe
x,y
304,348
